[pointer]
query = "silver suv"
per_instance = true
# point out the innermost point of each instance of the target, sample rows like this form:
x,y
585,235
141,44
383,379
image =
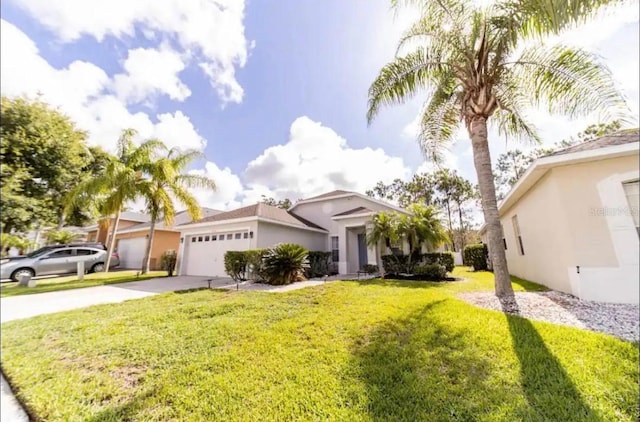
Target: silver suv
x,y
57,261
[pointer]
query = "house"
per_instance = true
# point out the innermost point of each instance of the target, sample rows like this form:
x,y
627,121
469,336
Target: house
x,y
571,221
334,221
132,235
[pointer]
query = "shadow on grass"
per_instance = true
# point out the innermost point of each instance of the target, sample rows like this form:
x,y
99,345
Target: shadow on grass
x,y
126,411
547,387
399,283
417,369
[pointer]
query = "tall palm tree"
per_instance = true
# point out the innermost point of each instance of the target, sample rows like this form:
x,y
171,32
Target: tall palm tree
x,y
167,183
382,229
489,63
123,180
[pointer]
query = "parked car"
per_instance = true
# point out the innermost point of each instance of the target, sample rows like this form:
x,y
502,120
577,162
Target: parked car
x,y
43,249
55,261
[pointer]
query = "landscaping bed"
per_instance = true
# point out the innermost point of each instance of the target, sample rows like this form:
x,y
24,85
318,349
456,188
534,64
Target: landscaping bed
x,y
357,350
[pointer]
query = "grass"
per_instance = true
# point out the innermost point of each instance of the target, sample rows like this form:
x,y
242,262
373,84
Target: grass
x,y
71,282
345,351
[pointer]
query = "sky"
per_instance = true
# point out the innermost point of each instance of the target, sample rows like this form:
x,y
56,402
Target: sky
x,y
273,93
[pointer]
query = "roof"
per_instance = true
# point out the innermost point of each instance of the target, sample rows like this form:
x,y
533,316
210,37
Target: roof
x,y
358,210
618,138
328,195
264,211
134,216
342,194
181,217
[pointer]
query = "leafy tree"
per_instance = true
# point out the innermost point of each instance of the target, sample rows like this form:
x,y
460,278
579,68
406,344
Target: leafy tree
x,y
488,64
381,230
42,153
61,237
285,204
123,180
419,190
167,183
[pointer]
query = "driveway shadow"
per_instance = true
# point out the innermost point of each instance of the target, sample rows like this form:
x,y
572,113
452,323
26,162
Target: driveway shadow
x,y
172,284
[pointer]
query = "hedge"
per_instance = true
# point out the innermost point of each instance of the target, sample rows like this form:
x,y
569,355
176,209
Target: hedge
x,y
255,266
400,264
431,272
476,256
319,263
243,265
445,259
235,264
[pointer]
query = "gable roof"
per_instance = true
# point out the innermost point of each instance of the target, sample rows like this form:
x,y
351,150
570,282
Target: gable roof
x,y
134,216
343,194
619,138
261,210
333,193
358,210
181,217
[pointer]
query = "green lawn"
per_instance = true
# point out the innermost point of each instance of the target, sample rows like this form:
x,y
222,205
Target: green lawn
x,y
72,282
344,351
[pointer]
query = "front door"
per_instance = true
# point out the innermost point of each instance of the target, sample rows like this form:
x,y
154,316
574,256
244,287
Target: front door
x,y
362,251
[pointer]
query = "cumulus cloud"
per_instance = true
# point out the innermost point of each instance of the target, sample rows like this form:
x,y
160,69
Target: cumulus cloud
x,y
150,72
316,160
228,191
211,31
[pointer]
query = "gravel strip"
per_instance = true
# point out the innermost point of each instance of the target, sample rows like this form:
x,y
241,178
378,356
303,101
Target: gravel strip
x,y
620,320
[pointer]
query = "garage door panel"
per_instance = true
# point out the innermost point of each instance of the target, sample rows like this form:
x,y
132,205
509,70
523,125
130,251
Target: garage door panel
x,y
131,252
205,256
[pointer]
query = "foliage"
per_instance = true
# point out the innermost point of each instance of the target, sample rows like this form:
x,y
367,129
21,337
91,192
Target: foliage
x,y
285,263
445,259
42,155
168,261
319,262
370,268
255,264
487,65
394,350
61,237
282,203
431,272
476,256
397,264
235,265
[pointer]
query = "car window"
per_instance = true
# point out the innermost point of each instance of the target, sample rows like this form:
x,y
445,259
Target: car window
x,y
63,253
83,252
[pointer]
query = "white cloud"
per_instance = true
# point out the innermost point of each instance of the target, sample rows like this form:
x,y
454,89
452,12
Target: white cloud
x,y
228,188
211,31
150,72
316,160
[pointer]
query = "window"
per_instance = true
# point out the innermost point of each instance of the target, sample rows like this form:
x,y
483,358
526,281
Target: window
x,y
214,237
84,252
221,237
516,231
193,239
631,190
504,239
229,236
64,253
206,238
335,250
199,238
246,235
251,235
238,235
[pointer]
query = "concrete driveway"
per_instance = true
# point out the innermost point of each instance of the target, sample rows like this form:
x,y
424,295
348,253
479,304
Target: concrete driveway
x,y
19,307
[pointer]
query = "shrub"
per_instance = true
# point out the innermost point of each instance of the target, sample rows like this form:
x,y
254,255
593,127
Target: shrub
x,y
443,258
395,264
431,272
319,262
255,264
285,264
235,264
168,261
476,256
370,268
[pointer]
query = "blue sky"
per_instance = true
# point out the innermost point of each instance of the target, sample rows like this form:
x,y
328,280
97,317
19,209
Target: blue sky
x,y
275,90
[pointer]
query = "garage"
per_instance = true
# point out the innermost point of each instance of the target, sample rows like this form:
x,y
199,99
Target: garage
x,y
131,252
204,253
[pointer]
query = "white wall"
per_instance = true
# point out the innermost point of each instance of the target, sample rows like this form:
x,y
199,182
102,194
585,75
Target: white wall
x,y
272,234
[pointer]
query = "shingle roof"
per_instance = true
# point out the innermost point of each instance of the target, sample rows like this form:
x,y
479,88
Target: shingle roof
x,y
353,211
262,210
180,219
619,138
328,194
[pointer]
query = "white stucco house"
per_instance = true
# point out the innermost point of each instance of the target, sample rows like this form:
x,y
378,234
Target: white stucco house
x,y
334,222
571,221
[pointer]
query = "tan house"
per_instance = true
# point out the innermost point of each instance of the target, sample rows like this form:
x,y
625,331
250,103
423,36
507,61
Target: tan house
x,y
335,221
571,221
133,232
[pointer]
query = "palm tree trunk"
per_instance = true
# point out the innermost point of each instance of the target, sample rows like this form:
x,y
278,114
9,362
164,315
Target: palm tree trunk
x,y
147,253
379,259
453,242
60,221
112,241
462,231
482,161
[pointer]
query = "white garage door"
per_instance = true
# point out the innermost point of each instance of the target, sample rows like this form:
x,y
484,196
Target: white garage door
x,y
204,253
131,252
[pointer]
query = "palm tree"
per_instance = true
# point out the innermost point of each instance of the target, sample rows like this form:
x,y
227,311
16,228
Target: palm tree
x,y
382,229
426,227
488,63
167,183
61,237
123,180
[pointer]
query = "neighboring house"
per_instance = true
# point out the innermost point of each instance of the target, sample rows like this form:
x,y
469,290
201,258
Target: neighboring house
x,y
571,221
335,222
133,232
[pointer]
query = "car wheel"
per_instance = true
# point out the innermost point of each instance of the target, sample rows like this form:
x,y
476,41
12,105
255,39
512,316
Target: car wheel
x,y
20,272
97,268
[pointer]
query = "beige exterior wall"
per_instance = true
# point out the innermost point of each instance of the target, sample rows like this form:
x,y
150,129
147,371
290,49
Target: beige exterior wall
x,y
272,234
574,217
162,241
105,226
